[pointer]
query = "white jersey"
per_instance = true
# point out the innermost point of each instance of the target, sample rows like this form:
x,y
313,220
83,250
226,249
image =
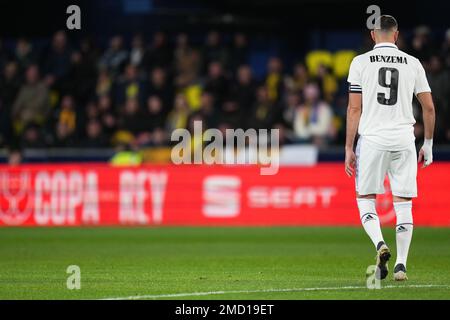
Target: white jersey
x,y
387,78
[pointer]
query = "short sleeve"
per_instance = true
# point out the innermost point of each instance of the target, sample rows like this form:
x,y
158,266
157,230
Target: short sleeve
x,y
421,82
354,77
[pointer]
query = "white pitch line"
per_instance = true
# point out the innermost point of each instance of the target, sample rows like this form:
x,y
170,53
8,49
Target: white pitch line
x,y
208,293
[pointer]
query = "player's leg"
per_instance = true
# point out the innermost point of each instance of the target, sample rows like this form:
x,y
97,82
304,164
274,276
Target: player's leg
x,y
370,170
372,226
371,167
369,218
404,230
402,176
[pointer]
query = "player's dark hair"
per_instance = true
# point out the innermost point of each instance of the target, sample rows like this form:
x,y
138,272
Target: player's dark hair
x,y
386,23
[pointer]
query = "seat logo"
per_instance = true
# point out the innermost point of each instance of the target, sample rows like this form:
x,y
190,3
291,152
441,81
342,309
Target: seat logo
x,y
221,196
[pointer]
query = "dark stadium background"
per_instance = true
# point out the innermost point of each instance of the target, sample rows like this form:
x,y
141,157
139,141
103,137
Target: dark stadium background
x,y
287,29
311,14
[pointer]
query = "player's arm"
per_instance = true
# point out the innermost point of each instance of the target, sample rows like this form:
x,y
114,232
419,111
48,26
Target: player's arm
x,y
353,116
426,152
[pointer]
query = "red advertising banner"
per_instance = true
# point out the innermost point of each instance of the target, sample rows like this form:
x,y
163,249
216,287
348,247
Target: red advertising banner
x,y
92,194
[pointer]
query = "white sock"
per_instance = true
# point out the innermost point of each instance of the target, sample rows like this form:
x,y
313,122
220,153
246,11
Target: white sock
x,y
404,230
369,220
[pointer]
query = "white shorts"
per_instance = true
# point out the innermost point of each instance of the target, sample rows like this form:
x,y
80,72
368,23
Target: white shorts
x,y
373,164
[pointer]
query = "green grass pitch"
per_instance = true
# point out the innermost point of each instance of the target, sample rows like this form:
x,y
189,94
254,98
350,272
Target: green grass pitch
x,y
215,263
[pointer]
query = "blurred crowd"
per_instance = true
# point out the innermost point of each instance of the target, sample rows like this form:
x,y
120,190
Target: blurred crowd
x,y
79,95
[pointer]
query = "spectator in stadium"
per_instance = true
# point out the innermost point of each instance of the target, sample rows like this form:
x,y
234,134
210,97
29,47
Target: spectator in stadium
x,y
160,86
196,142
33,137
80,80
208,112
299,78
231,113
327,83
91,111
132,119
63,137
115,57
187,61
130,86
9,87
24,54
126,155
15,157
32,102
238,52
159,54
313,119
214,51
274,79
137,51
154,113
290,109
243,92
9,84
339,111
264,112
104,83
178,117
57,59
95,137
106,115
216,82
67,114
159,138
192,92
89,50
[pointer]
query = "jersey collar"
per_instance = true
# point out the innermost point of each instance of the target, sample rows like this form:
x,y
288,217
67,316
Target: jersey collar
x,y
385,45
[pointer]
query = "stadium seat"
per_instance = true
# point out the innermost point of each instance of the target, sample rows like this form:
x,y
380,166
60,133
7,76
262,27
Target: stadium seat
x,y
316,58
341,62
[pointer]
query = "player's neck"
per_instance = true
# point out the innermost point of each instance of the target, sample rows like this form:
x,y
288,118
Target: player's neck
x,y
385,43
